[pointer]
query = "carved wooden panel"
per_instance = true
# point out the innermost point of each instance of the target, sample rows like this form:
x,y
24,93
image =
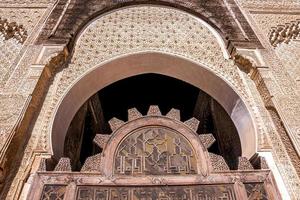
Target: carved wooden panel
x,y
155,151
198,192
256,191
53,192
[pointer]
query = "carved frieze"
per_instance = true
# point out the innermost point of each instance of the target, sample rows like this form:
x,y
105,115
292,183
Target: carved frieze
x,y
285,33
162,192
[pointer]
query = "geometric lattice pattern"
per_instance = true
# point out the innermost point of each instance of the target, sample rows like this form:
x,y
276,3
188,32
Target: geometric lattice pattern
x,y
162,193
256,191
53,192
155,151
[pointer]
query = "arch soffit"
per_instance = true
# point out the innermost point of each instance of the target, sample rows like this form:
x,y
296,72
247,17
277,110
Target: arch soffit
x,y
206,48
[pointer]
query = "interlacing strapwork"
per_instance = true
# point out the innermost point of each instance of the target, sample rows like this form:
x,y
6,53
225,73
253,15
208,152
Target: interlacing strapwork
x,y
155,151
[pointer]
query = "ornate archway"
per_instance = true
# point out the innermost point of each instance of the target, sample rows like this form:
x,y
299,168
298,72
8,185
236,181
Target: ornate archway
x,y
122,44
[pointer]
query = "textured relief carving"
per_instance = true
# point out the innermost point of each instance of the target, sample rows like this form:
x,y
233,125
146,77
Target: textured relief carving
x,y
43,165
56,192
101,140
92,164
284,33
115,123
218,163
9,50
259,4
133,114
174,114
64,164
11,107
268,21
207,140
134,33
256,191
289,55
275,26
225,192
12,30
26,3
193,123
244,164
155,151
27,17
154,111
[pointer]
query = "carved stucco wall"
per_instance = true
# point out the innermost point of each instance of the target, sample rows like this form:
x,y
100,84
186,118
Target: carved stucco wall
x,y
15,60
282,66
17,76
267,4
289,55
130,31
279,70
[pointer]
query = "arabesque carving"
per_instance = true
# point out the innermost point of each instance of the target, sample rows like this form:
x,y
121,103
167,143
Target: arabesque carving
x,y
12,30
285,33
155,151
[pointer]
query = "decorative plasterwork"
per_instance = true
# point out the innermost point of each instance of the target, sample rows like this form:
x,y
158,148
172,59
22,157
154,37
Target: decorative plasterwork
x,y
9,49
11,107
27,17
289,55
273,4
267,21
12,30
26,3
140,29
285,33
